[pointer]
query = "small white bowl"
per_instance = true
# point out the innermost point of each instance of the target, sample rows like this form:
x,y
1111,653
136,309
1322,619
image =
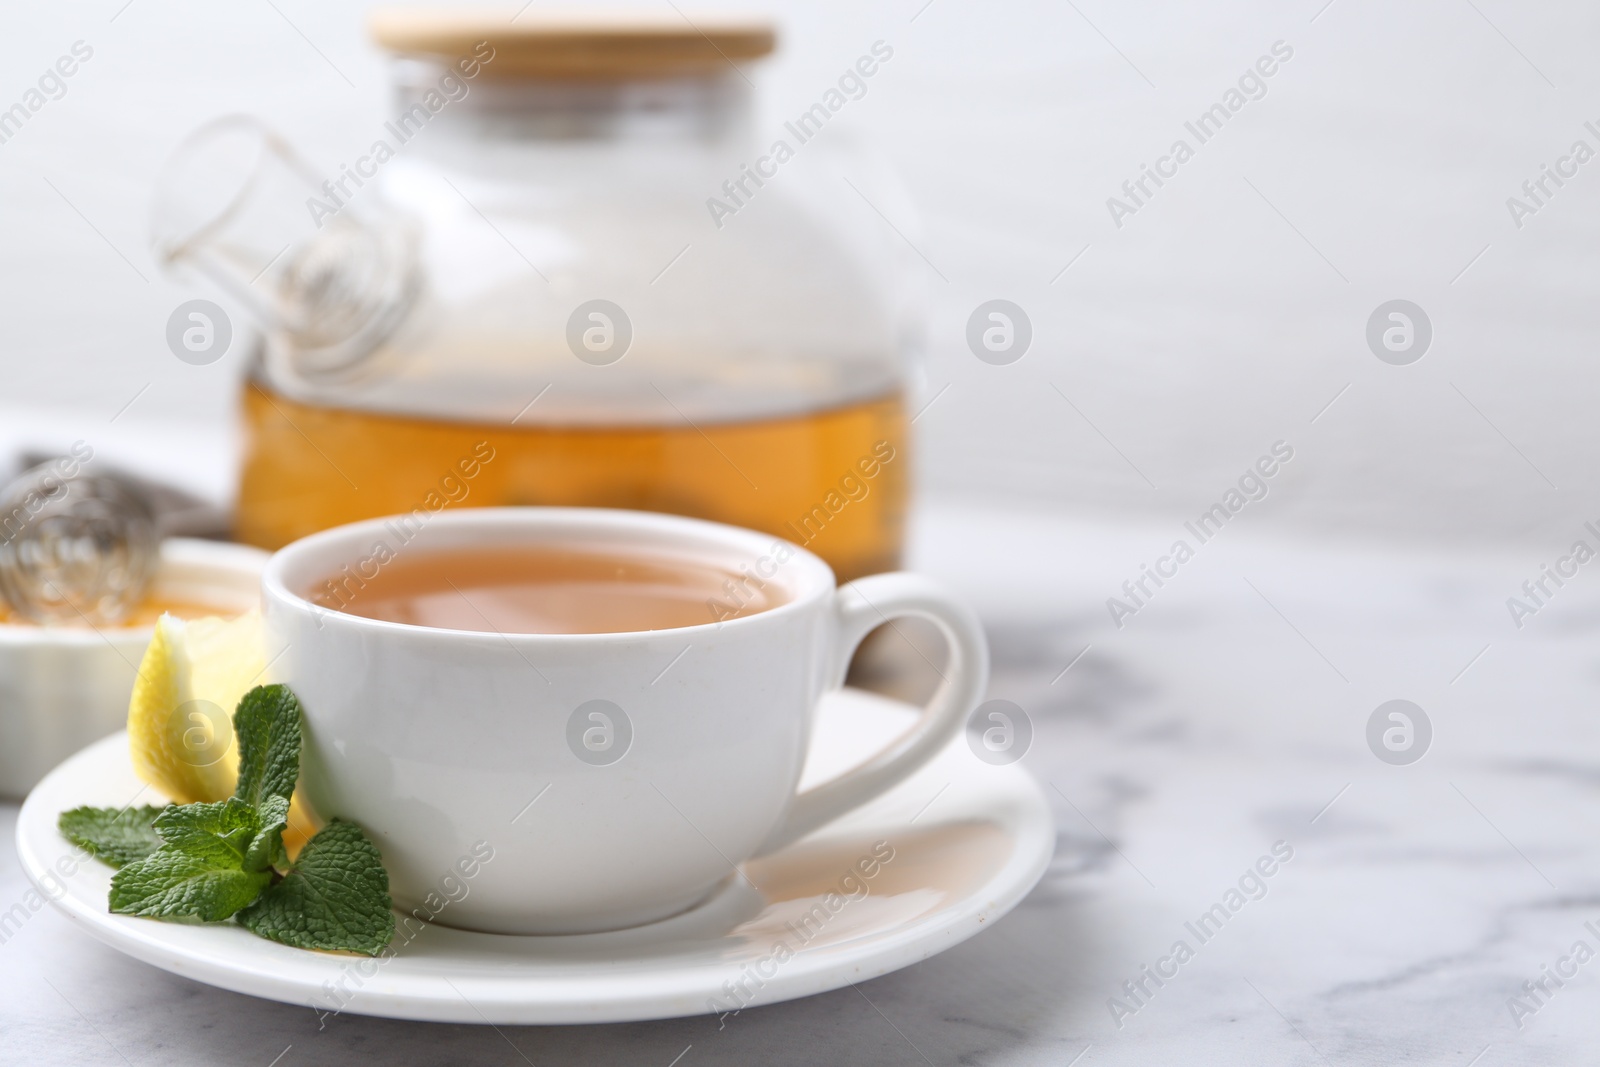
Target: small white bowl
x,y
62,687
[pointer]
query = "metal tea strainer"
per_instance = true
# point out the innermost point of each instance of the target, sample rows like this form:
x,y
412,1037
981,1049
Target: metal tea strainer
x,y
74,547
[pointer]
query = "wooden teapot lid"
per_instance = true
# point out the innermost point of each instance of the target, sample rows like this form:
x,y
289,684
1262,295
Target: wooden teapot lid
x,y
575,45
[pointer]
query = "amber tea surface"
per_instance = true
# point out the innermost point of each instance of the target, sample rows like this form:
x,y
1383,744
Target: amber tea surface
x,y
541,590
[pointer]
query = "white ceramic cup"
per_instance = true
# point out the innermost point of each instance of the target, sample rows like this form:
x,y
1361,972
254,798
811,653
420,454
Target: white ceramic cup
x,y
614,779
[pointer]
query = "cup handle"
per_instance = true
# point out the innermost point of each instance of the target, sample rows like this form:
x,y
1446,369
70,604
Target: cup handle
x,y
860,607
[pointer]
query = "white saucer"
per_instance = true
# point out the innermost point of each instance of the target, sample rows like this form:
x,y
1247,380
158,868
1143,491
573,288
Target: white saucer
x,y
969,841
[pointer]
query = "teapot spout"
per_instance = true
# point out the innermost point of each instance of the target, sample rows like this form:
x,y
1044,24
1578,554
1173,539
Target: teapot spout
x,y
238,205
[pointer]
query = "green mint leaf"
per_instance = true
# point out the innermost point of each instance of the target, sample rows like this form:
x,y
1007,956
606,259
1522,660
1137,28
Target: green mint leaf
x,y
335,898
201,880
230,822
117,836
266,848
267,726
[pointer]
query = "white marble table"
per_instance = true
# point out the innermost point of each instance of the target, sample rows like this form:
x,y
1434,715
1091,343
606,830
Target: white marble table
x,y
1230,713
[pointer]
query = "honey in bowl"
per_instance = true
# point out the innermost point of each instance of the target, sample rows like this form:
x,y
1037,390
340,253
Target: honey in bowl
x,y
144,614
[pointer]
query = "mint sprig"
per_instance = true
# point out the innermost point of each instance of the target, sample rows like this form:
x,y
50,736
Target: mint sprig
x,y
210,862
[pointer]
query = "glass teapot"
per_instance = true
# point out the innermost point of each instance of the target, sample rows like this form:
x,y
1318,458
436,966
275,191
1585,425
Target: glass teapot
x,y
566,272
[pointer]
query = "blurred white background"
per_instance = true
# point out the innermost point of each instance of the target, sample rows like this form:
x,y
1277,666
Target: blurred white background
x,y
1222,317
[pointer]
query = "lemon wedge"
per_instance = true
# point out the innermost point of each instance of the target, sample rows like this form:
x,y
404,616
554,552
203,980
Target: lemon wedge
x,y
180,718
